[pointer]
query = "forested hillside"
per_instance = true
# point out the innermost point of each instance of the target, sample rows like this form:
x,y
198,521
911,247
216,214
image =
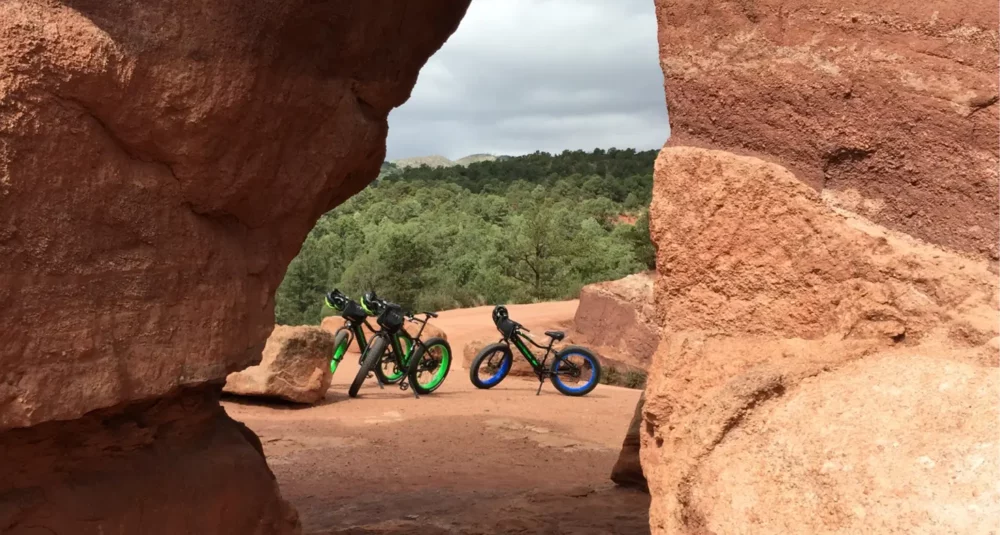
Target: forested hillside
x,y
518,229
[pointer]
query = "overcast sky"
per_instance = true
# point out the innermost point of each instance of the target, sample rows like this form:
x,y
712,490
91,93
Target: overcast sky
x,y
525,75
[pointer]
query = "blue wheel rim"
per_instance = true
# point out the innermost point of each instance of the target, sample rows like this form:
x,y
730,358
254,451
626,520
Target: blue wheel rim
x,y
500,373
590,382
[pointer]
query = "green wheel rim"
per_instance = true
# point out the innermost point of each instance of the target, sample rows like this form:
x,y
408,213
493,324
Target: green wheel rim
x,y
407,346
442,367
338,355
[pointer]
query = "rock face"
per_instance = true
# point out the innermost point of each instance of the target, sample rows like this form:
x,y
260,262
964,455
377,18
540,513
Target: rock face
x,y
890,108
159,167
173,465
901,444
800,343
295,366
619,317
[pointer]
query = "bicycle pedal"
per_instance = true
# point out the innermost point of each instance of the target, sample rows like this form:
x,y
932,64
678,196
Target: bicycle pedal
x,y
403,386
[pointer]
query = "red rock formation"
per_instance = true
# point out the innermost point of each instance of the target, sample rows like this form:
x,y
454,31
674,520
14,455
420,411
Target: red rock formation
x,y
890,107
160,164
173,465
619,317
802,341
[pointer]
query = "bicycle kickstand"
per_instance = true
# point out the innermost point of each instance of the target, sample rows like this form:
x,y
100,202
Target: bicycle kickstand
x,y
541,383
404,384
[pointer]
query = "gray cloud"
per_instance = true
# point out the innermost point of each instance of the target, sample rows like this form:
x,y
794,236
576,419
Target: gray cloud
x,y
526,75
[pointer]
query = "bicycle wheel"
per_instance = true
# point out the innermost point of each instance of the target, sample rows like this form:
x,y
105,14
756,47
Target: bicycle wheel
x,y
340,343
391,368
429,365
491,365
575,371
370,359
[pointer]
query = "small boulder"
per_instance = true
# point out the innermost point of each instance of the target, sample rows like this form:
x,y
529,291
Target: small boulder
x,y
295,366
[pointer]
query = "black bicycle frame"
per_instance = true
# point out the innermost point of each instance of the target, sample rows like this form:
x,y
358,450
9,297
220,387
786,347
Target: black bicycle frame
x,y
397,351
356,328
541,370
518,339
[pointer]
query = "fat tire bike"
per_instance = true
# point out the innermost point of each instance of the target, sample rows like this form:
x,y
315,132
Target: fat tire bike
x,y
567,371
355,320
386,350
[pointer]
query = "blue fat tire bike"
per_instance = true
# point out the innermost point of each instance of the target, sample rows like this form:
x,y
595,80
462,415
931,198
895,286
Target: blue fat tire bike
x,y
574,371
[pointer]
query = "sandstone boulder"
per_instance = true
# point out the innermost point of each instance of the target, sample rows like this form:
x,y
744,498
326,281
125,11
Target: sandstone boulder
x,y
890,108
619,317
775,306
899,444
747,249
160,165
295,366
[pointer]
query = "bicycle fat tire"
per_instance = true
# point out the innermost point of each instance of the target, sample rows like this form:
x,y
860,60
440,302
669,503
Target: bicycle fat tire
x,y
338,354
442,372
587,387
370,360
505,364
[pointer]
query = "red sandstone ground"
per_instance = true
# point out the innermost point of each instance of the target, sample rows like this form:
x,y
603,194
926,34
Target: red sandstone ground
x,y
458,461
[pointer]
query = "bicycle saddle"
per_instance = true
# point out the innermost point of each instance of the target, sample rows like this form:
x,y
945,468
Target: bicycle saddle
x,y
555,335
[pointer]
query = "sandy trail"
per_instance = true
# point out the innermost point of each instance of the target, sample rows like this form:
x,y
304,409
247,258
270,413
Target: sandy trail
x,y
460,460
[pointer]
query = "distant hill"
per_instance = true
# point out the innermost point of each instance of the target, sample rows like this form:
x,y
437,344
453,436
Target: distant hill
x,y
435,161
430,161
476,158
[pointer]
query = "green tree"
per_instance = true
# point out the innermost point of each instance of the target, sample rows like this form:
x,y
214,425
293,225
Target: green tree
x,y
518,229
